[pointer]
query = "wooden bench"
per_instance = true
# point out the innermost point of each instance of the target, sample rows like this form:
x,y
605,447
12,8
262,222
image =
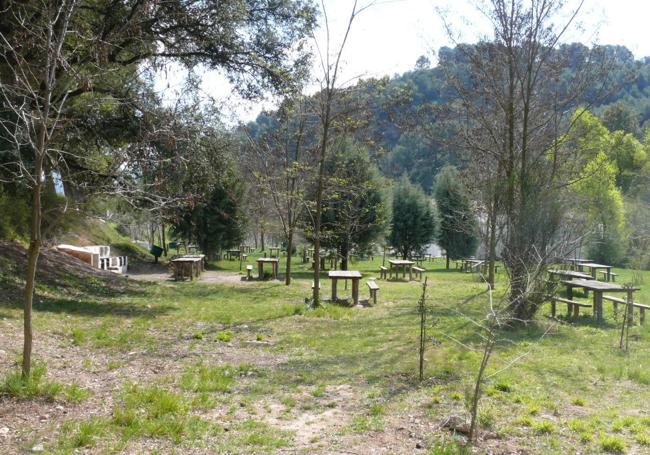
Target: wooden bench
x,y
617,300
249,271
573,307
373,287
612,274
418,272
383,273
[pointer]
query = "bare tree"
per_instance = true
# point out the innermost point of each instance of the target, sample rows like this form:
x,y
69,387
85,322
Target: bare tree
x,y
280,163
515,106
330,63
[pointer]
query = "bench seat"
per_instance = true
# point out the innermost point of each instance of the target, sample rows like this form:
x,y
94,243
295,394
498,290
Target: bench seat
x,y
373,287
383,272
573,307
418,272
617,300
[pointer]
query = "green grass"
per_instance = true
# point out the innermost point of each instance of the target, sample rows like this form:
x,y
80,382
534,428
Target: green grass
x,y
573,390
35,386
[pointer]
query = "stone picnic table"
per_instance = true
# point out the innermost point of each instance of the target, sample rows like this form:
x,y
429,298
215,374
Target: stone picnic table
x,y
598,288
403,264
576,263
595,267
274,267
352,275
188,266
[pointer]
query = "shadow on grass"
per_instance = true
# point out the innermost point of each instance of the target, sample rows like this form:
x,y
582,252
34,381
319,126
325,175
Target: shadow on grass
x,y
96,308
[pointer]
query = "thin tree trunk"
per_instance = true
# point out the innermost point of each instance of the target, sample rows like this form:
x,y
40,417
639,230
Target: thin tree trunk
x,y
287,273
492,244
447,256
262,238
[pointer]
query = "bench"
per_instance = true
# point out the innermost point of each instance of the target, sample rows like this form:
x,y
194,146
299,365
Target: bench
x,y
383,273
573,307
373,288
617,300
249,271
418,272
612,274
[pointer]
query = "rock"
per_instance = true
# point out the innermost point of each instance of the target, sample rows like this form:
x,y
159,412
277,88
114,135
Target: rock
x,y
2,353
38,448
60,408
4,432
43,417
419,445
457,424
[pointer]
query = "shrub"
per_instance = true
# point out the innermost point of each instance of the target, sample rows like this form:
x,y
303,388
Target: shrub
x,y
613,444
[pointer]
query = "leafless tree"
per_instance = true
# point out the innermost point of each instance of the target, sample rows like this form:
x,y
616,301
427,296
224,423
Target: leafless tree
x,y
515,105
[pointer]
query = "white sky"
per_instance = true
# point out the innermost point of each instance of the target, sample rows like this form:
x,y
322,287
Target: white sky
x,y
387,39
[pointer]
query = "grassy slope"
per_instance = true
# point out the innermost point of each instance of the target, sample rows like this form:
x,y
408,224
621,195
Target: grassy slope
x,y
203,375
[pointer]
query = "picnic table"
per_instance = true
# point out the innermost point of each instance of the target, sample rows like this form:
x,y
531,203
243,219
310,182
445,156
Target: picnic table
x,y
595,267
403,264
598,288
352,275
567,274
576,263
275,249
233,254
274,267
470,264
188,266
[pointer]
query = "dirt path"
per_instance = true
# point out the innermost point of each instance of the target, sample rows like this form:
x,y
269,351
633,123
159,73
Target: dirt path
x,y
209,276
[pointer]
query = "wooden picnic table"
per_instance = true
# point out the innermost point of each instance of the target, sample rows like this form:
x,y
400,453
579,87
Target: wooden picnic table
x,y
470,264
233,254
352,275
595,267
567,274
274,267
576,263
403,264
597,287
187,266
275,249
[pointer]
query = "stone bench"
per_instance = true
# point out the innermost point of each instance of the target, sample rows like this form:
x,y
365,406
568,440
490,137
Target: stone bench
x,y
383,272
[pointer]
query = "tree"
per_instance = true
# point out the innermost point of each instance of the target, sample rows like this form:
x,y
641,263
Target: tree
x,y
278,155
413,224
54,54
354,213
602,204
513,112
458,231
216,222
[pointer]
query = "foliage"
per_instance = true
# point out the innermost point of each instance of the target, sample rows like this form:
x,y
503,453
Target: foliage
x,y
413,224
354,211
216,222
458,231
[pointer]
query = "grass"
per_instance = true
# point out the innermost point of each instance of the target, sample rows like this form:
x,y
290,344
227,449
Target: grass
x,y
35,386
217,392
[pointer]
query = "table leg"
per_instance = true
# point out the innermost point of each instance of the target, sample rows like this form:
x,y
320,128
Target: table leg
x,y
609,275
630,308
334,289
598,305
569,292
355,291
410,273
260,270
594,271
275,270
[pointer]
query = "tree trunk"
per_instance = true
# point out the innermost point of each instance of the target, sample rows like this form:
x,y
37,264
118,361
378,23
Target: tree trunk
x,y
345,251
262,238
287,273
492,240
447,256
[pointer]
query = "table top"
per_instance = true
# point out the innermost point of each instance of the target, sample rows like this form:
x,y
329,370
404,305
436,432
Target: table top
x,y
577,260
570,273
594,285
592,265
268,260
344,274
187,259
400,262
473,261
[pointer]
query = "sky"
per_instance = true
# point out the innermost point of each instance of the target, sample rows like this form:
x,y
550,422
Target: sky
x,y
388,37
